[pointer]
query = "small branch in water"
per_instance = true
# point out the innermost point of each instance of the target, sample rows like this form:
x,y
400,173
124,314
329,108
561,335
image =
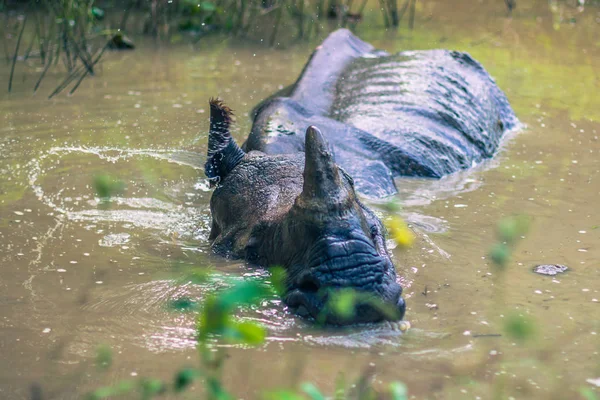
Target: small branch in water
x,y
46,68
403,10
510,5
93,64
66,82
28,51
362,7
276,26
487,335
411,17
383,6
38,31
3,33
130,6
80,54
12,69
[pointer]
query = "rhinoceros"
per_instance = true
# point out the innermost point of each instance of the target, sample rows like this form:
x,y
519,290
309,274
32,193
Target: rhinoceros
x,y
355,119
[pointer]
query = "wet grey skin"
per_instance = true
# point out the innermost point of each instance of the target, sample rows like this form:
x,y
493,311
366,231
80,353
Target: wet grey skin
x,y
300,211
285,198
415,113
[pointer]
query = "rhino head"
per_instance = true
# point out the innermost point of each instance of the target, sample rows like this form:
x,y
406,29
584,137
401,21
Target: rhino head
x,y
300,211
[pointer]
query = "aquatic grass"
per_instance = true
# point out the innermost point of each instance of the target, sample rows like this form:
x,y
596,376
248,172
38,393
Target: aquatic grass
x,y
64,30
392,16
14,60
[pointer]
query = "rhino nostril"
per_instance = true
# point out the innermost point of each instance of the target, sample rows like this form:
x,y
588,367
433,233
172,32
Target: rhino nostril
x,y
308,284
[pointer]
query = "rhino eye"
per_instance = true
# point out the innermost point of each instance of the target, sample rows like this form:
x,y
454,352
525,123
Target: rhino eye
x,y
375,231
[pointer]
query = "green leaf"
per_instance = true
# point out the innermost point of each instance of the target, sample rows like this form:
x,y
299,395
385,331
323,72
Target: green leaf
x,y
151,387
103,357
340,387
98,13
244,293
250,333
519,327
107,186
183,304
278,278
393,206
218,309
198,275
184,378
343,303
213,318
312,391
176,38
500,254
281,395
398,391
511,228
587,393
507,229
208,6
120,388
217,390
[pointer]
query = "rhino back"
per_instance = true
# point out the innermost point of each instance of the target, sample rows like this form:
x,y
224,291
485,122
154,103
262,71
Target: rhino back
x,y
416,113
439,106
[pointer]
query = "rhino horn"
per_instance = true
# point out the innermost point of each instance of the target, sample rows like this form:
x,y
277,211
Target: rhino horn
x,y
223,152
321,174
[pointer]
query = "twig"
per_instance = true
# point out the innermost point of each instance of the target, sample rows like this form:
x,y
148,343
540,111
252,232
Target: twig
x,y
403,10
253,13
38,30
85,74
28,51
3,33
65,41
384,11
12,69
320,11
301,19
276,26
477,335
46,68
66,82
242,12
411,17
362,7
79,53
393,10
123,23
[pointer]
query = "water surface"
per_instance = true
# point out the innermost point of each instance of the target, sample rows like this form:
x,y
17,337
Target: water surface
x,y
74,274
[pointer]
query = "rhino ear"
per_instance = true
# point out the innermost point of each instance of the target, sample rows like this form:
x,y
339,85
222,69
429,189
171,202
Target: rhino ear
x,y
321,174
223,152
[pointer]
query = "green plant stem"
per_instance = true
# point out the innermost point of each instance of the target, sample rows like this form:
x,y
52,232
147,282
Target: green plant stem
x,y
39,29
93,64
46,68
30,47
411,16
383,6
14,61
277,22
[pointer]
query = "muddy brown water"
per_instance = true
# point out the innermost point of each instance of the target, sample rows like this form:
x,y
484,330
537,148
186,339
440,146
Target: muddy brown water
x,y
74,275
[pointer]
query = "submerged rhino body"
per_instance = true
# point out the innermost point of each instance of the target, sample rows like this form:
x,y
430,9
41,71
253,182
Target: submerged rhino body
x,y
355,119
415,113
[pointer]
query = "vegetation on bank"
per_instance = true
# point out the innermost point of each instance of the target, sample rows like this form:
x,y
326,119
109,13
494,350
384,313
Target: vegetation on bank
x,y
76,33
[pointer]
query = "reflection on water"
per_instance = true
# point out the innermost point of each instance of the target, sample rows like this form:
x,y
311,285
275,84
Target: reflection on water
x,y
75,274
